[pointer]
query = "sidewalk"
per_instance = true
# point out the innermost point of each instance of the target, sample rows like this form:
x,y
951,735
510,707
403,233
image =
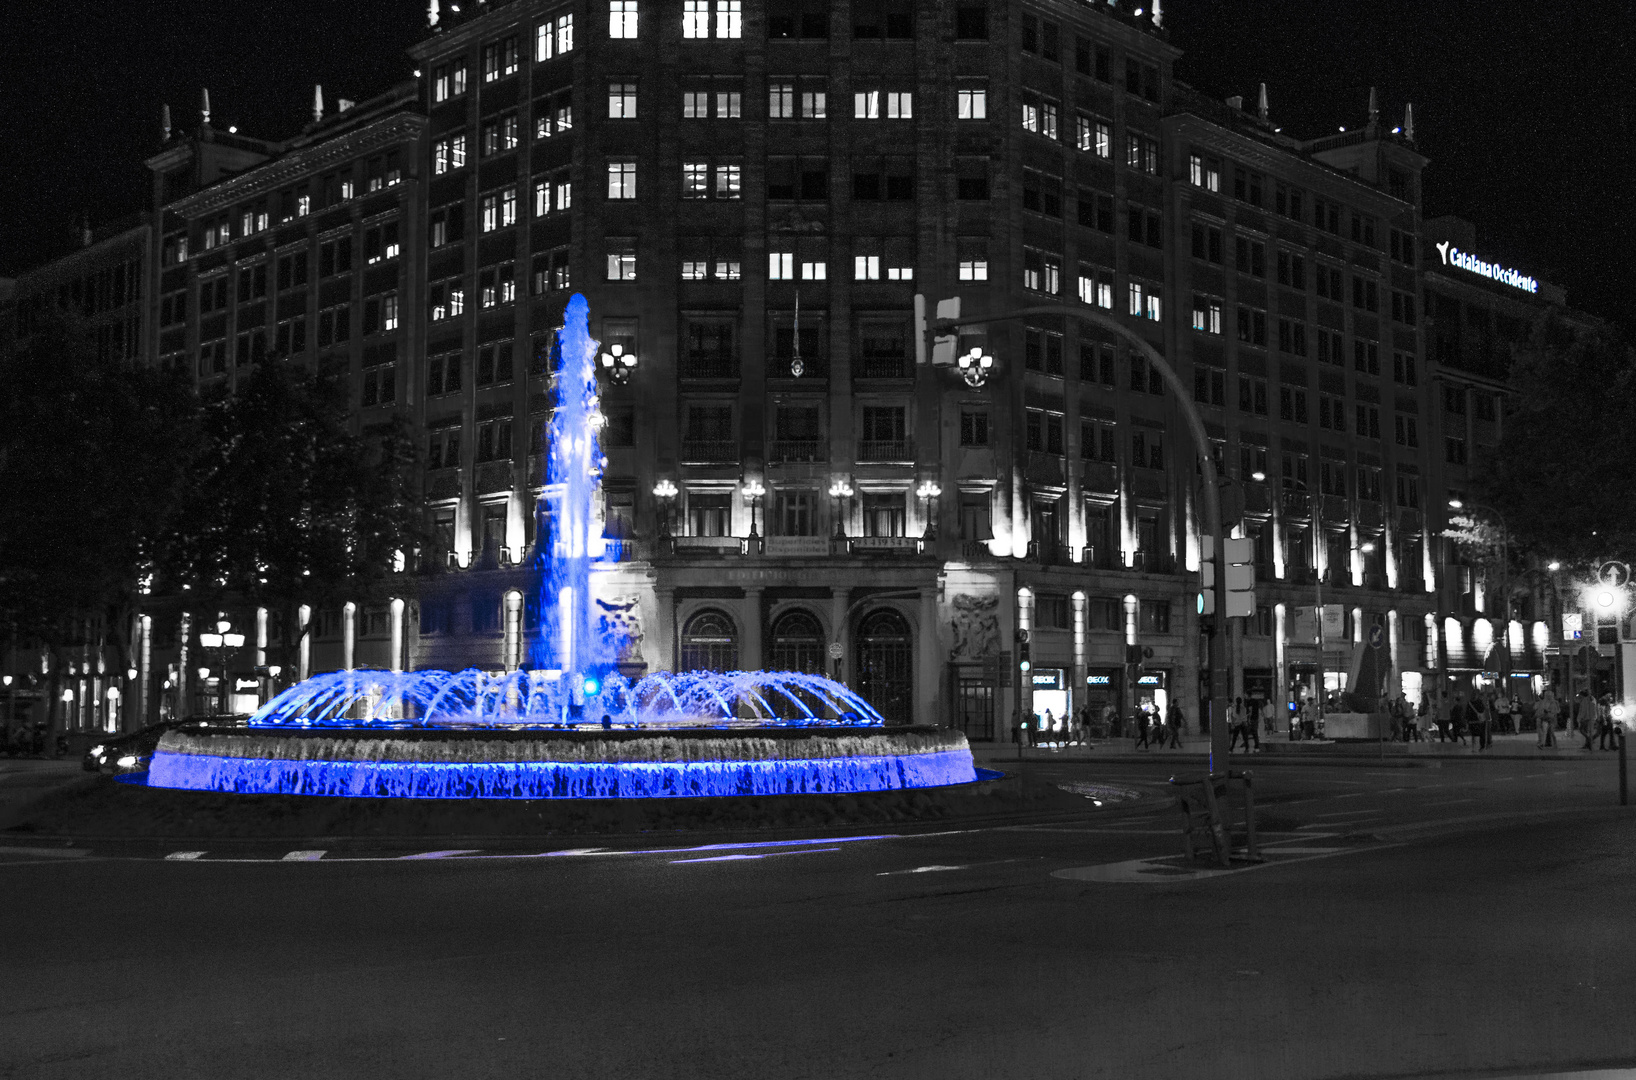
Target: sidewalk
x,y
1280,750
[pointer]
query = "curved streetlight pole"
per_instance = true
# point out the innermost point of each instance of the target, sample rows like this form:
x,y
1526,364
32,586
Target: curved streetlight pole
x,y
1211,492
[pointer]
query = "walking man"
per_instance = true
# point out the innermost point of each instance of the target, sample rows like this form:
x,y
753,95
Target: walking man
x,y
1141,719
1545,713
1585,714
1604,725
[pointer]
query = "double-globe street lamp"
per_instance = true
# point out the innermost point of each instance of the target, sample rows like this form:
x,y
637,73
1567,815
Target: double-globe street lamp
x,y
224,640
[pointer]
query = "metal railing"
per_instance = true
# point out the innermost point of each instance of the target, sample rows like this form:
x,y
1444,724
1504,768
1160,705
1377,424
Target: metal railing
x,y
885,450
710,451
880,367
784,451
707,366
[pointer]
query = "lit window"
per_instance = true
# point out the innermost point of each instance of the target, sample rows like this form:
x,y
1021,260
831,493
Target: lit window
x,y
695,269
780,101
621,179
900,106
1133,291
729,104
489,207
866,105
813,103
728,181
729,18
695,179
1048,119
973,105
508,206
621,259
974,269
814,271
622,18
695,18
1207,315
621,101
565,194
780,266
553,37
695,104
866,268
1154,311
542,198
1030,112
389,311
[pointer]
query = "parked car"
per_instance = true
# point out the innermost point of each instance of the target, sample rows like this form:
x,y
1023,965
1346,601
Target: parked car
x,y
132,752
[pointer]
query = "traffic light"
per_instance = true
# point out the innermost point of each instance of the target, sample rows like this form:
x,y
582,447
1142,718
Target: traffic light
x,y
942,347
1207,584
1024,662
1240,577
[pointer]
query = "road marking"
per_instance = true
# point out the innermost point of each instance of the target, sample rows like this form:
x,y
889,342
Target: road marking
x,y
302,856
1350,813
1174,868
919,870
183,856
1449,802
741,856
1352,795
51,853
441,854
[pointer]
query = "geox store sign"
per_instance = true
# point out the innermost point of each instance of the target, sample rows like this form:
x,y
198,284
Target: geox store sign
x,y
1453,256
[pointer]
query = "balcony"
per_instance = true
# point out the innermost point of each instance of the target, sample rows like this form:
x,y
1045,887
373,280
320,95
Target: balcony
x,y
1044,468
1101,558
707,545
1154,562
885,545
797,451
1369,515
869,366
710,451
1374,579
975,549
1257,499
1295,504
708,366
1300,575
1335,508
894,450
1050,552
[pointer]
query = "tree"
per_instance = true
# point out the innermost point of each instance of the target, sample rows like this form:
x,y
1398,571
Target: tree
x,y
289,507
93,477
1564,475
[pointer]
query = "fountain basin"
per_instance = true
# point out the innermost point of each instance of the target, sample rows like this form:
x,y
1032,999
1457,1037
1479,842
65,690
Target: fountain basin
x,y
531,763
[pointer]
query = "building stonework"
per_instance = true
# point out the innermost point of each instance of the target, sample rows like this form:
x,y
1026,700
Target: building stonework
x,y
751,197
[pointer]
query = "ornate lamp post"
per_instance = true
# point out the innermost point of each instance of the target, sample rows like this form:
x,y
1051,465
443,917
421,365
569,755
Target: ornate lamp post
x,y
753,490
975,367
223,640
665,491
617,364
840,489
927,492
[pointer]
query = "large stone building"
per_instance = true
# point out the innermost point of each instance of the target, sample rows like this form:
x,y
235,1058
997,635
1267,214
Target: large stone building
x,y
751,196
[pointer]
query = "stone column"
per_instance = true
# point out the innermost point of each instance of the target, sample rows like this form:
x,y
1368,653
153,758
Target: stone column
x,y
1076,689
304,671
396,660
750,653
261,637
840,618
663,632
929,663
349,633
143,711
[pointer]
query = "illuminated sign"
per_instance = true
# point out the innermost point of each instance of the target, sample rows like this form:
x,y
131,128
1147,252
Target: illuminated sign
x,y
1099,680
1048,678
1453,256
1155,679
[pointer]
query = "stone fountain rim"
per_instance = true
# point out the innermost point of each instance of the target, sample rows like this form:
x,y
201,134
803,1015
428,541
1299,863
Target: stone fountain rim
x,y
586,732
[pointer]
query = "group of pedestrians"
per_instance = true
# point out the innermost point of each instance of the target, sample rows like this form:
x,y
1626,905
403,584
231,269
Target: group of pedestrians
x,y
1158,731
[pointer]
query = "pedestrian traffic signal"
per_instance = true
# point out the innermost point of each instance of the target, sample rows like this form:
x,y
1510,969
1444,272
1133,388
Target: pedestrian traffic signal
x,y
1207,585
1240,577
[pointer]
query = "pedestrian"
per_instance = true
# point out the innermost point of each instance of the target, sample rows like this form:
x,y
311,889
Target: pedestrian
x,y
1309,719
1445,717
1252,723
1604,725
1585,714
1235,725
1516,715
1141,722
1474,717
1110,721
1545,713
1176,722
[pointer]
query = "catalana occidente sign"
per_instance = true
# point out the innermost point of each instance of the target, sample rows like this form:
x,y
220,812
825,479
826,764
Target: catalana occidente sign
x,y
1453,256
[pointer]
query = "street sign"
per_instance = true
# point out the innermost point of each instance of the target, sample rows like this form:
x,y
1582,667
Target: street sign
x,y
835,650
1614,573
1377,636
1573,626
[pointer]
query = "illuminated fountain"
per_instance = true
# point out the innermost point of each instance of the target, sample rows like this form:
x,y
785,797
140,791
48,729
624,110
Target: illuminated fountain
x,y
571,726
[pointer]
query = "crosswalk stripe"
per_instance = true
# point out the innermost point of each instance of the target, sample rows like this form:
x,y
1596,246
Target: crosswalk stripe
x,y
183,856
303,856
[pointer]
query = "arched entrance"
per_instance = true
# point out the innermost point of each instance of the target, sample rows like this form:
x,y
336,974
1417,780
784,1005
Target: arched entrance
x,y
798,643
710,643
886,665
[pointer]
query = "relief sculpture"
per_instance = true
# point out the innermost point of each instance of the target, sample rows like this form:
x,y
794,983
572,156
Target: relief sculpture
x,y
976,627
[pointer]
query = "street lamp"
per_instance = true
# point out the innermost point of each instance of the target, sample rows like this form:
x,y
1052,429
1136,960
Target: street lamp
x,y
975,367
840,489
617,364
753,490
665,491
223,640
928,491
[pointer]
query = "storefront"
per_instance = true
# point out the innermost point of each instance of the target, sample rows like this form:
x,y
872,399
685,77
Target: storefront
x,y
1104,698
1051,705
1152,692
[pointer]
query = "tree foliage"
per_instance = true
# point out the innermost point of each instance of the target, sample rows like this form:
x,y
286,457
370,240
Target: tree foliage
x,y
94,461
288,506
1564,474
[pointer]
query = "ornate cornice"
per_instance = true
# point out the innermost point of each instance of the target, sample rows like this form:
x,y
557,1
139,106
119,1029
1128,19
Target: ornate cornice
x,y
300,163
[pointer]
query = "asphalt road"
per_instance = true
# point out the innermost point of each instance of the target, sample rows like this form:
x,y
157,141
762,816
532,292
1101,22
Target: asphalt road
x,y
1469,918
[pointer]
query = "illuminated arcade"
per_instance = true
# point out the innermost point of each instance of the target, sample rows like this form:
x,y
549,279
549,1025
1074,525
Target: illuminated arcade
x,y
573,726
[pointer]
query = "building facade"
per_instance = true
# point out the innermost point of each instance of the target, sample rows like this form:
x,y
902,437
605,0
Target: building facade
x,y
751,196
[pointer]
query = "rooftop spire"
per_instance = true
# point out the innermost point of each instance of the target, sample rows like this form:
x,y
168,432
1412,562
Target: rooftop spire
x,y
431,13
1374,110
1261,103
164,120
204,103
1408,121
1158,14
317,102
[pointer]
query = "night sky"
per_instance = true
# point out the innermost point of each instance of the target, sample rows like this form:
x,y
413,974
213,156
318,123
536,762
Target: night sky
x,y
1526,109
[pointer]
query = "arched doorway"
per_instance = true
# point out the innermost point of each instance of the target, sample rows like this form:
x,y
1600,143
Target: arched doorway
x,y
710,643
798,643
886,667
